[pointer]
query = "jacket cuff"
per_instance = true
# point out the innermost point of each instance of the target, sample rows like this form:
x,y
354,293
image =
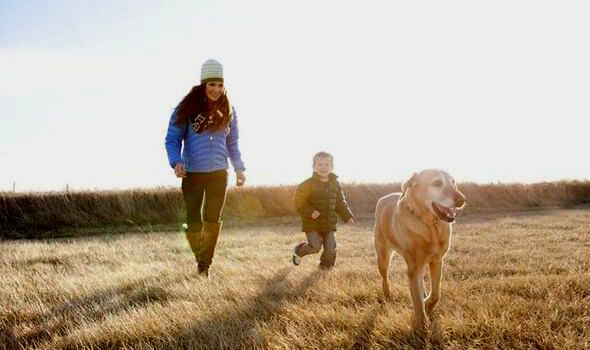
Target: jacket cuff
x,y
348,216
173,164
308,210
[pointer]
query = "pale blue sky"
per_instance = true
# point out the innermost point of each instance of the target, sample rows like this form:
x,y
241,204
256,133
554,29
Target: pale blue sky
x,y
489,91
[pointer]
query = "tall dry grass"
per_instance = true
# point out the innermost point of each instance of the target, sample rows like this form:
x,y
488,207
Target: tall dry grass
x,y
50,214
510,282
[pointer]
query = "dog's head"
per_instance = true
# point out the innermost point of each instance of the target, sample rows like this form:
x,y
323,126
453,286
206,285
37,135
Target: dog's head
x,y
434,191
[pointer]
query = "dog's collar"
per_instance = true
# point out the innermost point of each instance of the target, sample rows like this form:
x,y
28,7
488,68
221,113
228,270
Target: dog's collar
x,y
404,203
411,210
425,218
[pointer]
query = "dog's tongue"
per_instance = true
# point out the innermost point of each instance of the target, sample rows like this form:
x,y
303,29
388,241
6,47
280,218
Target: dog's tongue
x,y
447,211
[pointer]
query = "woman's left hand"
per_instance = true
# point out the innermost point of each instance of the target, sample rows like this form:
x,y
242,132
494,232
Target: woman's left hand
x,y
240,178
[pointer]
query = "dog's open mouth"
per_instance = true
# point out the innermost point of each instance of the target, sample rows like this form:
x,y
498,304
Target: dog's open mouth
x,y
444,213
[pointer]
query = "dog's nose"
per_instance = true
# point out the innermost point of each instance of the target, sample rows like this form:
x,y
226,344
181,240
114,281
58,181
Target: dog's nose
x,y
459,199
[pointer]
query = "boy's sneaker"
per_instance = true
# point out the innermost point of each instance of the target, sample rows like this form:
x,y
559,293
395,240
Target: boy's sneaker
x,y
296,258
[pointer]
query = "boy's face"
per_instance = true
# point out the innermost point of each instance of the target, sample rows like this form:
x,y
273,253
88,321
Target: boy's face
x,y
323,166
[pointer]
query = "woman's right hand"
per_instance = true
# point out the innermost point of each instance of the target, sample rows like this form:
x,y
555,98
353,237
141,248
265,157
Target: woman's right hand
x,y
179,170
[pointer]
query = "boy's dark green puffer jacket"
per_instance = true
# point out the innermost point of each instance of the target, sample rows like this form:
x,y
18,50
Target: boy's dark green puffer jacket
x,y
325,197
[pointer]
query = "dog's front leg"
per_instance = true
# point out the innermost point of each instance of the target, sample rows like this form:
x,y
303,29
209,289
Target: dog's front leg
x,y
435,278
416,277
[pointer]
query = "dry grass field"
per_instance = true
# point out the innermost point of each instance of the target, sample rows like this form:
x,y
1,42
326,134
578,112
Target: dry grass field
x,y
512,280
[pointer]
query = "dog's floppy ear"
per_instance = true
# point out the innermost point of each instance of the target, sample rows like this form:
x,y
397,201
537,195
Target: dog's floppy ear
x,y
410,183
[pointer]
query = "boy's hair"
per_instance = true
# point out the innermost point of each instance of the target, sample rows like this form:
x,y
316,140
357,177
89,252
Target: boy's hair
x,y
323,155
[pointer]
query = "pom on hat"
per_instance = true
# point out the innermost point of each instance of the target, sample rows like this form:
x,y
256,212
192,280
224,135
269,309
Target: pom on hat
x,y
211,70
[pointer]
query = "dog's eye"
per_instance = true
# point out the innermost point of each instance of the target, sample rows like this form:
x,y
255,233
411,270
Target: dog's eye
x,y
437,183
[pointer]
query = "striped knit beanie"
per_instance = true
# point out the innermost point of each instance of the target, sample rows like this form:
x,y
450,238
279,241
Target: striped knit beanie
x,y
211,70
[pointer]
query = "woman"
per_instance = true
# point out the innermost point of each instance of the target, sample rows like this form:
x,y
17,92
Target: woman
x,y
207,125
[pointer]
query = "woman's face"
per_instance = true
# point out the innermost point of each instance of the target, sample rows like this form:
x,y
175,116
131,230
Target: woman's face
x,y
214,90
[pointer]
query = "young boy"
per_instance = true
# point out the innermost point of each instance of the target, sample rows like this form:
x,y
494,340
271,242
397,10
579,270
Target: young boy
x,y
320,200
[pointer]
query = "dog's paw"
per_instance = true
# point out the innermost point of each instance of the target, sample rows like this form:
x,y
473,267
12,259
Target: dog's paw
x,y
422,325
430,304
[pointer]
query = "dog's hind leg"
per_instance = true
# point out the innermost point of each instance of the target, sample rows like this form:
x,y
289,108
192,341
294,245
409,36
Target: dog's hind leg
x,y
384,261
382,246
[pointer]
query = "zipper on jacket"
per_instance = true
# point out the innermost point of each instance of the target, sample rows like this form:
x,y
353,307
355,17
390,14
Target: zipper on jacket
x,y
187,151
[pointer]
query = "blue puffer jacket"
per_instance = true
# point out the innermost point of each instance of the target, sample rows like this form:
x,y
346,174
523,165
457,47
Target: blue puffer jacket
x,y
204,152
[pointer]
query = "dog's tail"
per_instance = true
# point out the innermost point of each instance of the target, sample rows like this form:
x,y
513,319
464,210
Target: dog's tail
x,y
387,202
378,208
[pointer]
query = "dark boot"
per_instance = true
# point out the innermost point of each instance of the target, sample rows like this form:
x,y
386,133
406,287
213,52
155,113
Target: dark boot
x,y
210,234
194,240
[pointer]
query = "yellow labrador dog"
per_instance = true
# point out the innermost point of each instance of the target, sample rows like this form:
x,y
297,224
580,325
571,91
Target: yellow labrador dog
x,y
416,223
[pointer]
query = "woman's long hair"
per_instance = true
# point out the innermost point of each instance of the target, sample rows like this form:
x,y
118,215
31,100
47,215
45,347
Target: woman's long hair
x,y
196,102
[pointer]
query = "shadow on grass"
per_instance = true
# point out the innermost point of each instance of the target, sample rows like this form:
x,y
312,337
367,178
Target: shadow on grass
x,y
62,261
240,327
63,318
397,338
413,339
363,338
235,328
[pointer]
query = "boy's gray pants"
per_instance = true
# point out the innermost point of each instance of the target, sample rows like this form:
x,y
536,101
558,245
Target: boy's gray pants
x,y
315,240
